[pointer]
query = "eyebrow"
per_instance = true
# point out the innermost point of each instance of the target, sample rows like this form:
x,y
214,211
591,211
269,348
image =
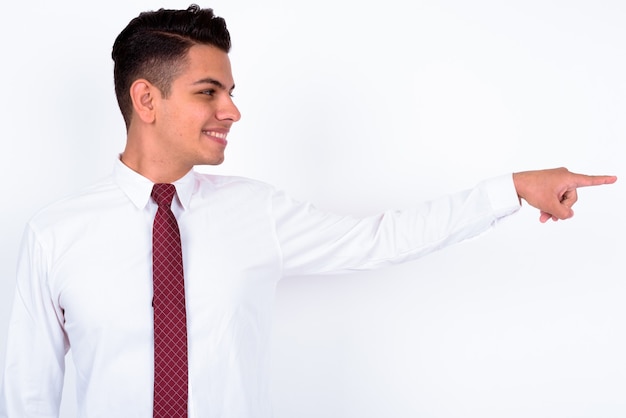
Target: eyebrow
x,y
215,83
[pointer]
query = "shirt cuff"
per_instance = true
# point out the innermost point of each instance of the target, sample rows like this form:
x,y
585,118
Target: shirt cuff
x,y
502,195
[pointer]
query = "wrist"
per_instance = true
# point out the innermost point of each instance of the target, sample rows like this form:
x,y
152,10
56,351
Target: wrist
x,y
519,183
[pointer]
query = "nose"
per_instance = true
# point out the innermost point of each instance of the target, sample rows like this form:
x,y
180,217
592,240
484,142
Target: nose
x,y
228,110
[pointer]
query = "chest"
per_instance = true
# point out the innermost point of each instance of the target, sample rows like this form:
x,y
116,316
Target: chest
x,y
102,278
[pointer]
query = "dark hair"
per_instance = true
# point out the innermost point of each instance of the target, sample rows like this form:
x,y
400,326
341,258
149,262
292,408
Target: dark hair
x,y
154,46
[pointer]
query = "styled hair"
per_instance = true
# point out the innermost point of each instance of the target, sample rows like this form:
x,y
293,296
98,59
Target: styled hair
x,y
154,47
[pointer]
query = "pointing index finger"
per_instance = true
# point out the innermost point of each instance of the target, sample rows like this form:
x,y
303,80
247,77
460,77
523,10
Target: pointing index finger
x,y
583,180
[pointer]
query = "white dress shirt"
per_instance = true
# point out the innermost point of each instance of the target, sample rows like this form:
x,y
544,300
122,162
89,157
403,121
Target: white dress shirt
x,y
85,281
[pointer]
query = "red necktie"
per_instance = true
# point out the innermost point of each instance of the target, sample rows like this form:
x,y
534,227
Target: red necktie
x,y
170,321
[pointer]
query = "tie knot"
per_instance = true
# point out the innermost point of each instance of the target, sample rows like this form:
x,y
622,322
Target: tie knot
x,y
162,193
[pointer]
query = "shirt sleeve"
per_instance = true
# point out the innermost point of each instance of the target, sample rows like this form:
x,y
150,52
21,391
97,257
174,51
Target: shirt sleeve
x,y
36,346
316,242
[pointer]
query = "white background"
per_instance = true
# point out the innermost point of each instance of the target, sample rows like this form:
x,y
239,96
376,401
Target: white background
x,y
360,107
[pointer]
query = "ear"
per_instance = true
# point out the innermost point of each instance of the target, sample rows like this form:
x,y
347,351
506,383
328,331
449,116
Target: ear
x,y
142,94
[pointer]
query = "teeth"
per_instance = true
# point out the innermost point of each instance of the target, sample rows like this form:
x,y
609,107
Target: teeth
x,y
216,134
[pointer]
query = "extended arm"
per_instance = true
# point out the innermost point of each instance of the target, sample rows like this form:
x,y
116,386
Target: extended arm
x,y
317,242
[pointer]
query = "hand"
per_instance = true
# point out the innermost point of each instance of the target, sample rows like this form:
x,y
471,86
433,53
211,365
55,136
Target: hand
x,y
553,191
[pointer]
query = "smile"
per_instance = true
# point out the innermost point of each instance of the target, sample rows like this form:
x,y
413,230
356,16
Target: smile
x,y
216,134
217,137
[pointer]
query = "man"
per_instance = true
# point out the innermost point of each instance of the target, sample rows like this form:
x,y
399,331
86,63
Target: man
x,y
87,275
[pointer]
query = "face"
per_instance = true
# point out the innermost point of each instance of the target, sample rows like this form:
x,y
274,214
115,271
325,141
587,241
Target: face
x,y
193,122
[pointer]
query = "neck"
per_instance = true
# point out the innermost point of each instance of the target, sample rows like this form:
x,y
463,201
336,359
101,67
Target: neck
x,y
157,171
150,163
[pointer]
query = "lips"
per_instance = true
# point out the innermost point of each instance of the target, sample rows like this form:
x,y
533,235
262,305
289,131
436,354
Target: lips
x,y
217,136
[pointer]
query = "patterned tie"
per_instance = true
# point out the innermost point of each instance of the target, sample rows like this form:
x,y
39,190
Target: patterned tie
x,y
170,321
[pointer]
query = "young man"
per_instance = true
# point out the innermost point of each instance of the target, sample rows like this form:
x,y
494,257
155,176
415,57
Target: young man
x,y
87,275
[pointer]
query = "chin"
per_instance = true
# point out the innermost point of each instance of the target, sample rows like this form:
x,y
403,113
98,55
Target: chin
x,y
213,161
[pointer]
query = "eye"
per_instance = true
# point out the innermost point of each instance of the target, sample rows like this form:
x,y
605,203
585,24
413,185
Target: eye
x,y
210,92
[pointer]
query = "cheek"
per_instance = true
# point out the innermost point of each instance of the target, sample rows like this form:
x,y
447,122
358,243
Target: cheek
x,y
184,120
193,118
180,125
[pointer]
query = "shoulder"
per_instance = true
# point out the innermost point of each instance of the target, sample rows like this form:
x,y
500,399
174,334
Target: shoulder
x,y
233,194
98,197
216,183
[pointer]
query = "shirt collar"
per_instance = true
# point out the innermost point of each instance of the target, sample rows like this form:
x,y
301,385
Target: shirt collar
x,y
138,188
